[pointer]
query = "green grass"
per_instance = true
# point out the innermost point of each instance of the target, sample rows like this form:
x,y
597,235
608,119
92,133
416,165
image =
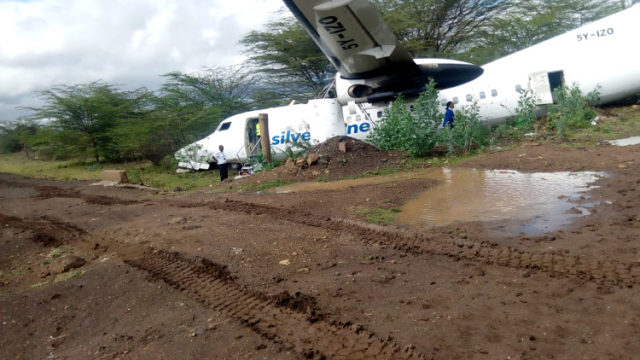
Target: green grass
x,y
68,275
376,215
267,185
138,172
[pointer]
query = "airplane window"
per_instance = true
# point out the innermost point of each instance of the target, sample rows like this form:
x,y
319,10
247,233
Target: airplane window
x,y
443,102
469,98
225,126
455,100
482,95
494,92
379,114
519,88
358,118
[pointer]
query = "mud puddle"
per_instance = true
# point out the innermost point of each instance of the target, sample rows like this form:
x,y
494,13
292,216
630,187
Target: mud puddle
x,y
346,184
543,201
634,140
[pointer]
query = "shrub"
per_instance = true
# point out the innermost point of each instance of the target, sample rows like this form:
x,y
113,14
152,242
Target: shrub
x,y
572,110
417,132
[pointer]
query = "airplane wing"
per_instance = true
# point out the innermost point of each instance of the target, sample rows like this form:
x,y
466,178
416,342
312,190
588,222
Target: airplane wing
x,y
352,34
366,53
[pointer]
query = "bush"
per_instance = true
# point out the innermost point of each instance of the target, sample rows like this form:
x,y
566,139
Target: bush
x,y
413,131
572,110
417,132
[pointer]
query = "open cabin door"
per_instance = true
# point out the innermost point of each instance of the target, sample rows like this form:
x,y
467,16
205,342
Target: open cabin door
x,y
543,85
251,138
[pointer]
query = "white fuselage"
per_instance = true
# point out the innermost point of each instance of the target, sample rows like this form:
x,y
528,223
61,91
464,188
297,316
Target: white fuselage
x,y
600,55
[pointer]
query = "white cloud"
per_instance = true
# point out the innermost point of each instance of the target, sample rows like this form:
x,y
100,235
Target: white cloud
x,y
130,43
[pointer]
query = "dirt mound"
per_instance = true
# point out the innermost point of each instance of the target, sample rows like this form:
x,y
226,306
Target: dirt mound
x,y
337,158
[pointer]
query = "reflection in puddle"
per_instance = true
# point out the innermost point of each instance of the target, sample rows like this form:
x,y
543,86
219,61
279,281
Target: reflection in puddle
x,y
634,140
543,200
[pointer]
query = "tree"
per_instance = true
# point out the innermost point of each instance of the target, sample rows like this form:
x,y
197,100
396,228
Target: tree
x,y
194,104
527,23
436,28
289,59
84,115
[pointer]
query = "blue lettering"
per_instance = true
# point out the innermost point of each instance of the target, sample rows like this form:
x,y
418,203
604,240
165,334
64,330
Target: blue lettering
x,y
289,136
354,128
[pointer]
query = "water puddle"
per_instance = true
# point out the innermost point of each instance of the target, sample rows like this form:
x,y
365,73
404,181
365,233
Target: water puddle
x,y
346,184
542,201
634,140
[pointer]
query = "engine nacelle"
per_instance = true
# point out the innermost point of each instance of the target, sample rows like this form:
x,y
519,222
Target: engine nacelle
x,y
446,73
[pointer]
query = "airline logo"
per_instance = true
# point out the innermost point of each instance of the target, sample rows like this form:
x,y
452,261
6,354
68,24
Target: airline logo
x,y
355,128
290,137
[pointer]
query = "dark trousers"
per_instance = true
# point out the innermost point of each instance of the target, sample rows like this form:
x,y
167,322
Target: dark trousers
x,y
223,171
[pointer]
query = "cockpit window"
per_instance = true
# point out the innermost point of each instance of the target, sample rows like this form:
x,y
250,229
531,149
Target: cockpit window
x,y
224,126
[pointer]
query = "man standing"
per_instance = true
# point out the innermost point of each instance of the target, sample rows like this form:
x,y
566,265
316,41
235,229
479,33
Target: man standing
x,y
448,115
221,160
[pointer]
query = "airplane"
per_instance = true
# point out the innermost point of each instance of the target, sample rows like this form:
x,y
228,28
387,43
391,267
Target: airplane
x,y
373,68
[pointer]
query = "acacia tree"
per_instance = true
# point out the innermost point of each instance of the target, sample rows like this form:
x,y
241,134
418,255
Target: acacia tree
x,y
436,27
84,115
527,23
194,104
288,59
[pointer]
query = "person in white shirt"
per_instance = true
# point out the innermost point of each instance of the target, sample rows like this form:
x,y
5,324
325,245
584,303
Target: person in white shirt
x,y
221,160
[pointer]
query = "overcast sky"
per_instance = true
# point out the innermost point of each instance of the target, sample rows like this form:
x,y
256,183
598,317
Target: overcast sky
x,y
129,43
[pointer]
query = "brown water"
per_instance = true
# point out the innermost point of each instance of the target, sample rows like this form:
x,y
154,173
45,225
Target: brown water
x,y
544,201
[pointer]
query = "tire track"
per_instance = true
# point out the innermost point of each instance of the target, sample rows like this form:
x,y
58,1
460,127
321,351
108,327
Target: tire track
x,y
555,265
46,230
309,336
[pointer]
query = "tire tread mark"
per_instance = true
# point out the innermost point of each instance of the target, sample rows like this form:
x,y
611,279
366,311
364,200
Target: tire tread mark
x,y
293,330
555,265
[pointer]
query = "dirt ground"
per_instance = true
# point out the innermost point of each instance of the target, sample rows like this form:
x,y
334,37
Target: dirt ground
x,y
92,272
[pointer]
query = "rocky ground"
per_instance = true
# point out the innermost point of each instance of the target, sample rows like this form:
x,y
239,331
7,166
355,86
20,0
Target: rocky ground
x,y
92,272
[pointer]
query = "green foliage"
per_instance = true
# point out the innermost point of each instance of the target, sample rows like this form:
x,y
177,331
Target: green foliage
x,y
525,114
417,132
468,134
82,116
524,23
192,105
268,185
572,110
376,215
437,28
259,163
524,120
288,59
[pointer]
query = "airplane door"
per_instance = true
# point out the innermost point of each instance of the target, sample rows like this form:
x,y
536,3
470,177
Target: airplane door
x,y
252,138
539,84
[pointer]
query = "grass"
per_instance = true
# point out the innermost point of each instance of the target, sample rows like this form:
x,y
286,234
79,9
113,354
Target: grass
x,y
138,172
376,215
68,275
267,185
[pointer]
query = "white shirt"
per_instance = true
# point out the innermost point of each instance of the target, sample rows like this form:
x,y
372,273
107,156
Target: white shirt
x,y
220,159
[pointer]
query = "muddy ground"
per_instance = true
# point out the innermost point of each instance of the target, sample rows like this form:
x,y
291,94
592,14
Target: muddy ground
x,y
92,272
